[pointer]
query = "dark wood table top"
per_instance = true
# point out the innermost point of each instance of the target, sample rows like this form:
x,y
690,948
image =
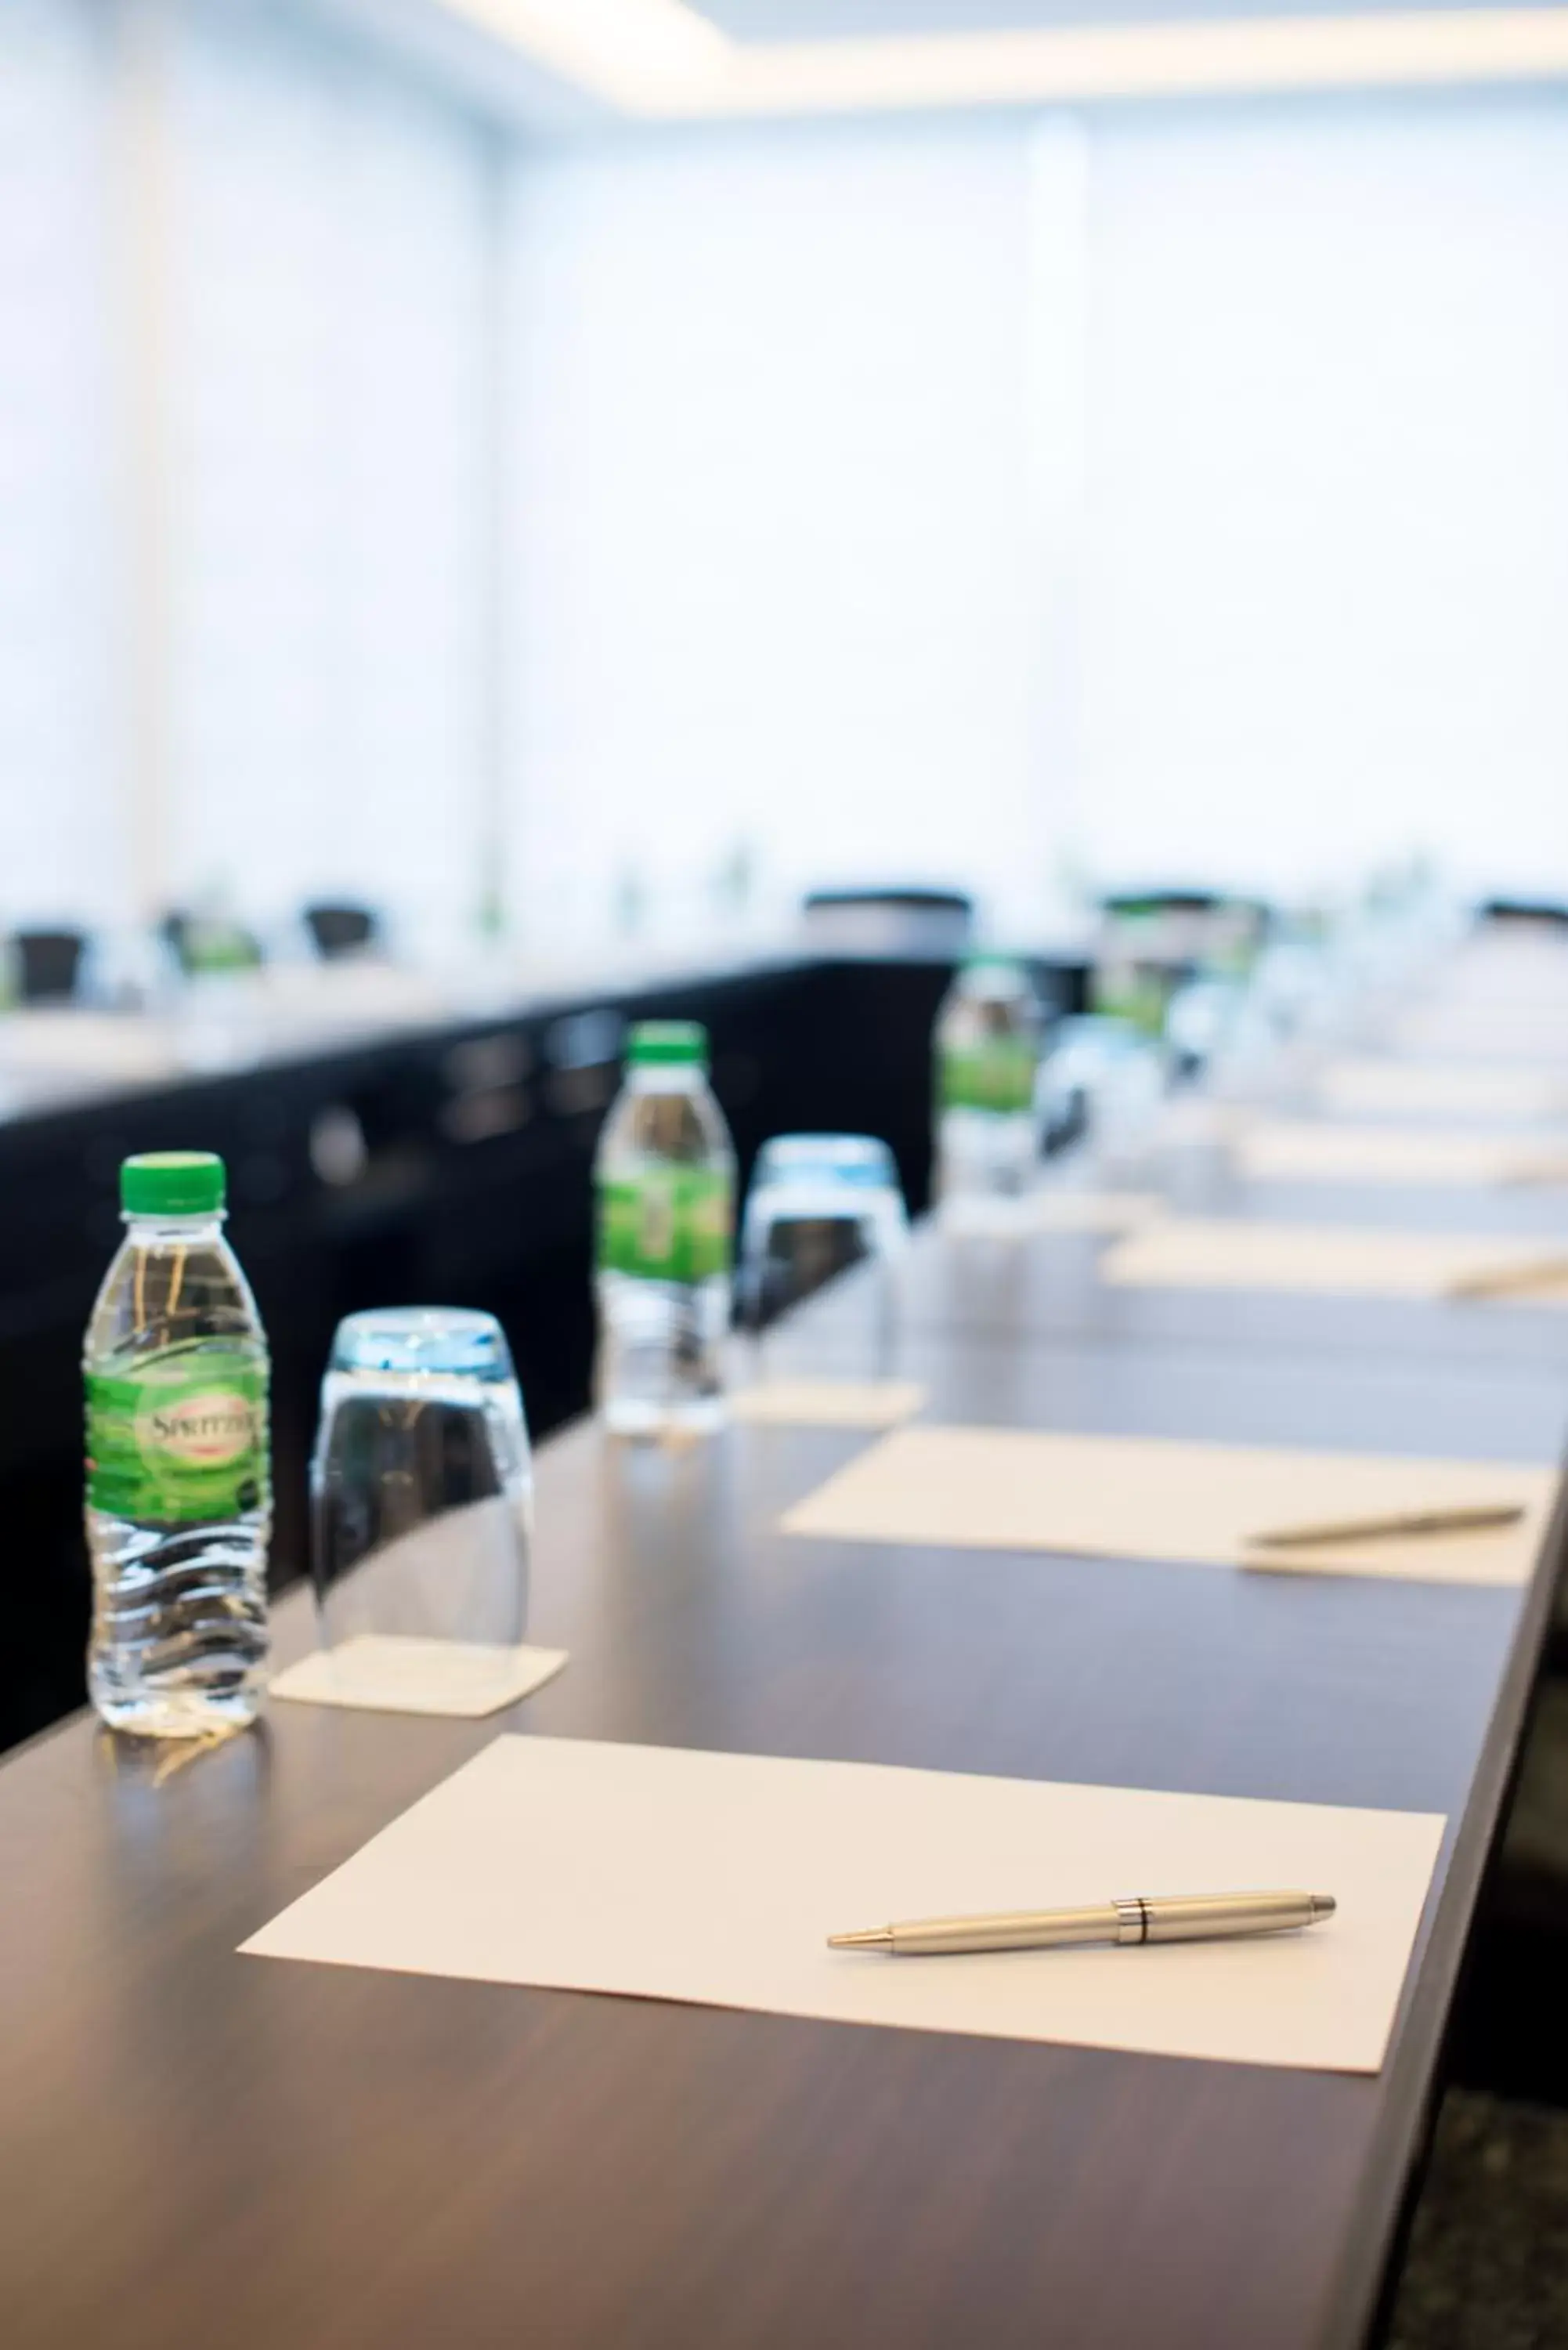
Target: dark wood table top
x,y
1045,1289
198,2146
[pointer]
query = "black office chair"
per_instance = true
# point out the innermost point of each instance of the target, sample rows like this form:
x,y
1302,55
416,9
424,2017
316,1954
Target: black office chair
x,y
48,965
1119,905
341,929
1525,911
1122,902
890,921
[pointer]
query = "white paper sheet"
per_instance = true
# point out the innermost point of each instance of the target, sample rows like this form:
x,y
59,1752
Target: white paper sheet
x,y
1154,1498
1199,1253
1528,1036
1393,1089
827,1403
388,1673
1287,1151
657,1873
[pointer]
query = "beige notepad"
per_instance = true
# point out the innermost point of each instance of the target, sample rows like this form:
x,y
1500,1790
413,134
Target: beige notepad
x,y
1198,1253
1154,1498
656,1873
1287,1151
829,1403
1374,1089
1047,1211
1469,1036
386,1673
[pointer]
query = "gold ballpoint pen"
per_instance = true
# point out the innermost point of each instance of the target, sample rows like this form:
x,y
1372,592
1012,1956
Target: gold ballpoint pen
x,y
1483,1518
1134,1917
1520,1279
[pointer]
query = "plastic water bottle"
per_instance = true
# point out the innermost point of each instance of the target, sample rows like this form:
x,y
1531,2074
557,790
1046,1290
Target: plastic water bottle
x,y
178,1495
989,1040
665,1177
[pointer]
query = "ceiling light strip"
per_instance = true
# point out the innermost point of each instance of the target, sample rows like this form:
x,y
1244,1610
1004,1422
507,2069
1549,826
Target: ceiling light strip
x,y
629,52
662,59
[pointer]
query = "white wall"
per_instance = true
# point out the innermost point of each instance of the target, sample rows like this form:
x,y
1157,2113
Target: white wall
x,y
780,579
805,562
247,289
1326,604
325,371
61,850
1187,490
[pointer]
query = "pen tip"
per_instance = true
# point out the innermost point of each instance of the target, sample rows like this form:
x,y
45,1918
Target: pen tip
x,y
1323,1905
870,1938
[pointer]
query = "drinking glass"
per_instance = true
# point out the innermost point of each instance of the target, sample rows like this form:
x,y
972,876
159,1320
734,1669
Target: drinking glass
x,y
1103,1079
819,1203
420,1486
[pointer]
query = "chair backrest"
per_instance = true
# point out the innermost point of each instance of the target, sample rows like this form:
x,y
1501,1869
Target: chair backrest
x,y
1179,930
48,965
1525,909
340,929
890,921
1161,901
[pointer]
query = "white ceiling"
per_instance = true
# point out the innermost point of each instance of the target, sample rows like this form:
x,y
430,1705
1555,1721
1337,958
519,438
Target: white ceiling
x,y
829,20
562,64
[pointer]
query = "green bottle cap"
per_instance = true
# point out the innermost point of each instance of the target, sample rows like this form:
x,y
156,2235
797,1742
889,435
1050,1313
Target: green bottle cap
x,y
674,1042
172,1183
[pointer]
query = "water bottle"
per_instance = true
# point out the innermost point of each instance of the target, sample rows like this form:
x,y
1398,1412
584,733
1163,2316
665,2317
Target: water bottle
x,y
178,1494
989,1040
665,1179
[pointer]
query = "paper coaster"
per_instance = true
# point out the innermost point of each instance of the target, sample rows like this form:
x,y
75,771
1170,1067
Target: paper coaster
x,y
385,1673
829,1403
1047,1211
1197,1122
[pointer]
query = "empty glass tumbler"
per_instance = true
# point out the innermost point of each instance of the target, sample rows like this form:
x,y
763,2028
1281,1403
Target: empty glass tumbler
x,y
1107,1079
421,1486
818,1203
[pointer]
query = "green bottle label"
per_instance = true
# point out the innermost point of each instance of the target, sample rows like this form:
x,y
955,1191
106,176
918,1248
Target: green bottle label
x,y
996,1076
1137,994
180,1438
669,1223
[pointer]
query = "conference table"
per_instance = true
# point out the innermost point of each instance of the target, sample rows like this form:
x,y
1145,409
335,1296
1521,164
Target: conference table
x,y
201,2144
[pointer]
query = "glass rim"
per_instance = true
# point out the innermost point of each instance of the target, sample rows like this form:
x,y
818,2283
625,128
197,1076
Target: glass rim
x,y
821,1149
438,1340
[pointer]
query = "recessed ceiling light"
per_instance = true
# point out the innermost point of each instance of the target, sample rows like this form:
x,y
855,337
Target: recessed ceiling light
x,y
664,59
630,53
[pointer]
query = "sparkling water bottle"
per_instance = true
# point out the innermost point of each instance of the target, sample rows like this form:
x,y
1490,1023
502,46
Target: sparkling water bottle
x,y
179,1496
989,1040
665,1177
